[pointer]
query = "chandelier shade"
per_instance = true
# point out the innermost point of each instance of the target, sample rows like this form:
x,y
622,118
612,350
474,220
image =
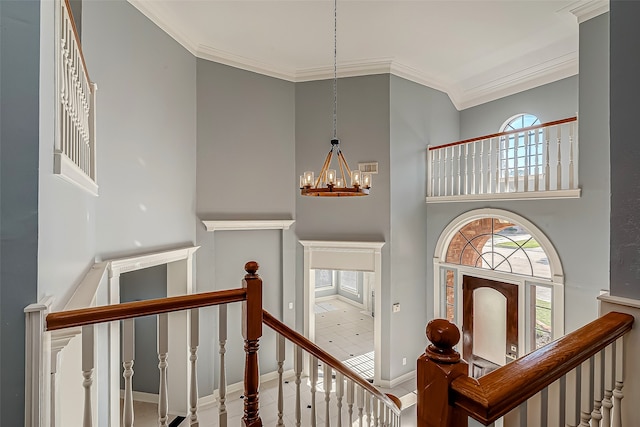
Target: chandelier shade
x,y
328,183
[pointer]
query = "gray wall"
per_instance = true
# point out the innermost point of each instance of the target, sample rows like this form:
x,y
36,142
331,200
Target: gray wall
x,y
19,134
245,171
363,130
146,131
625,152
419,116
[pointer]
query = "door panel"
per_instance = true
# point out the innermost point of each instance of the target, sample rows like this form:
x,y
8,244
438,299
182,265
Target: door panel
x,y
506,324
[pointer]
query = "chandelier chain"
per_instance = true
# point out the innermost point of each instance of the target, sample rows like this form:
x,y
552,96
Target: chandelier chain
x,y
335,69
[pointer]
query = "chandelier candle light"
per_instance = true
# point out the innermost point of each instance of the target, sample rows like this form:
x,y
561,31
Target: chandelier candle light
x,y
327,183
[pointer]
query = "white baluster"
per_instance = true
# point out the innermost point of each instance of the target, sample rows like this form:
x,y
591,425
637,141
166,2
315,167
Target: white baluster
x,y
571,167
466,169
586,378
544,407
617,392
367,407
516,172
350,396
339,395
440,172
489,163
473,169
297,369
280,355
536,185
609,379
496,184
453,175
562,400
459,170
547,167
128,356
444,168
163,352
559,167
313,379
481,189
505,141
598,378
527,162
194,342
222,385
376,413
360,399
88,363
430,173
572,399
326,377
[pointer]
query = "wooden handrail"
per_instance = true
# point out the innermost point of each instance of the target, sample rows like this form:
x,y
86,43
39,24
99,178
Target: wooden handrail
x,y
391,401
128,310
511,132
77,37
502,390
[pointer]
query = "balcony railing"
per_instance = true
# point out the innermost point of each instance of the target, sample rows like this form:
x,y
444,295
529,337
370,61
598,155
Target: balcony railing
x,y
539,161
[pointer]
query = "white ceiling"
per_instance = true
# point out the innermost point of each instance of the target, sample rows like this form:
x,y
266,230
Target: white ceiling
x,y
474,50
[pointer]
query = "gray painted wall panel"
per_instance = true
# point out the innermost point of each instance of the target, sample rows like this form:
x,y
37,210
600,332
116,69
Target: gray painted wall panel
x,y
419,116
146,130
625,152
19,138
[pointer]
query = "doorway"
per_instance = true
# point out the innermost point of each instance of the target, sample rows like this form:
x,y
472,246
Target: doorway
x,y
490,324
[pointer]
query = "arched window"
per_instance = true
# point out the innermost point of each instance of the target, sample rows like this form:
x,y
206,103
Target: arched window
x,y
502,246
521,151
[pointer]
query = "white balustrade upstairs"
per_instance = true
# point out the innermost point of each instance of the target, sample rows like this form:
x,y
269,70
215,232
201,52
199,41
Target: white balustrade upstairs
x,y
536,162
75,146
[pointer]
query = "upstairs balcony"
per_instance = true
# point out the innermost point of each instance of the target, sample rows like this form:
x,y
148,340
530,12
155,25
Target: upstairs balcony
x,y
535,162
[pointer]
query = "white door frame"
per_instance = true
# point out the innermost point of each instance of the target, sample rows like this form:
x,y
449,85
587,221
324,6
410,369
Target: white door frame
x,y
340,255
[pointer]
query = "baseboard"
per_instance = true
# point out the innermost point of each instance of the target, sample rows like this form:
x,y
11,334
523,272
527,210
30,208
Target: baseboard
x,y
211,399
341,298
141,396
399,380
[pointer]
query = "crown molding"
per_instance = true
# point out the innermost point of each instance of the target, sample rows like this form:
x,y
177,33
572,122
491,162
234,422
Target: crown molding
x,y
585,10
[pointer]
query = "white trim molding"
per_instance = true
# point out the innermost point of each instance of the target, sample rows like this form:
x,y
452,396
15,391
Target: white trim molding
x,y
585,10
529,195
138,262
239,225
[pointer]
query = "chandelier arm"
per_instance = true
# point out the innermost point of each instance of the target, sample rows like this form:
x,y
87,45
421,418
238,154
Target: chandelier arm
x,y
325,166
346,165
341,163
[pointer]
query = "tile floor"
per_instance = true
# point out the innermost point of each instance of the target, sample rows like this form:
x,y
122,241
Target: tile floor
x,y
343,331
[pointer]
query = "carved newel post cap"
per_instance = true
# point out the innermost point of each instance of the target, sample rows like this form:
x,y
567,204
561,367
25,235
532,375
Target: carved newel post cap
x,y
251,268
443,336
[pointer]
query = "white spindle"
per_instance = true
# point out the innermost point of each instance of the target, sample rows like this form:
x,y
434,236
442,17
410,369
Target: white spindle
x,y
586,374
453,175
376,413
194,342
128,356
544,407
618,395
481,190
339,395
527,162
163,352
367,407
88,363
562,400
516,173
360,403
473,169
609,379
559,166
313,379
598,378
297,370
505,141
350,399
222,385
326,377
444,176
547,167
572,397
459,170
571,167
489,163
280,355
496,187
466,169
430,174
536,138
440,172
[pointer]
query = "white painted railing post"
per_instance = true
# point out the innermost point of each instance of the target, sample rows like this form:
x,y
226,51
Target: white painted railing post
x,y
194,342
38,394
585,393
559,160
453,175
617,392
339,395
527,162
360,399
222,386
481,169
547,167
350,399
571,167
163,352
313,378
297,370
609,378
128,356
459,170
431,171
598,377
280,356
326,379
88,364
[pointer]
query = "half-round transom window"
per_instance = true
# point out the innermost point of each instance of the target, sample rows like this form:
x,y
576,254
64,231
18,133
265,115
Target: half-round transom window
x,y
497,244
521,153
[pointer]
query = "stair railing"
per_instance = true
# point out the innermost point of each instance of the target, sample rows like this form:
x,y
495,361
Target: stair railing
x,y
576,380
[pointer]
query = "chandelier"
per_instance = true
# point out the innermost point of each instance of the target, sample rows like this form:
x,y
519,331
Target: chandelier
x,y
328,183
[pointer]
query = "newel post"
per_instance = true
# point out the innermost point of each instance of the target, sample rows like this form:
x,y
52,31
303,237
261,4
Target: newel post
x,y
251,331
437,368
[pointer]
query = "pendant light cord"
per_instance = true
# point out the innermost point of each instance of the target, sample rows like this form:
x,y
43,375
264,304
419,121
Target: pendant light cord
x,y
335,69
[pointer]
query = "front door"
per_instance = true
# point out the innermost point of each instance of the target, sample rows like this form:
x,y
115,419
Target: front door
x,y
490,323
